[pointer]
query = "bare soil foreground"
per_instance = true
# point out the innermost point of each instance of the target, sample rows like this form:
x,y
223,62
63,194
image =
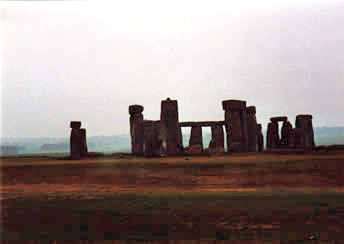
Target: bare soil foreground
x,y
244,198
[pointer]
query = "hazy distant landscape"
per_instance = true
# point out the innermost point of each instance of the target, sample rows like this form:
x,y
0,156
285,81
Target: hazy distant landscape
x,y
121,143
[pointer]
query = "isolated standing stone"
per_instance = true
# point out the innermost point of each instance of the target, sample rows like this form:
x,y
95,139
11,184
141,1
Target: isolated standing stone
x,y
170,130
136,129
75,140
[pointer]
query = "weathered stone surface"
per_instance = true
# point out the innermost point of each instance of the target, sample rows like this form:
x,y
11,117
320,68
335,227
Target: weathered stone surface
x,y
196,136
136,129
201,123
244,128
260,138
170,129
286,131
304,121
299,137
278,119
233,105
75,143
75,124
216,144
269,137
252,128
83,143
291,138
236,125
135,109
152,139
272,138
304,117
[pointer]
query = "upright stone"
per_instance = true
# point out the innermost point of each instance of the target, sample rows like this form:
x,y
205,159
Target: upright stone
x,y
269,138
136,129
217,139
299,137
286,132
75,140
260,138
244,128
252,128
152,140
272,138
83,146
236,125
196,136
304,121
170,130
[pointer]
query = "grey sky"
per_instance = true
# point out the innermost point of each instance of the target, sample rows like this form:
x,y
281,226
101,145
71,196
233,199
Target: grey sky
x,y
89,61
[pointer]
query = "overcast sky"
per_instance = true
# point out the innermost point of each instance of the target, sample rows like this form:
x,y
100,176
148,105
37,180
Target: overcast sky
x,y
89,61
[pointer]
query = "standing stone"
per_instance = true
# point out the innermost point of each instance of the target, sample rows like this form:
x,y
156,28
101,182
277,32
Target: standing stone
x,y
291,138
152,140
260,138
83,144
170,129
217,139
236,125
75,140
244,128
269,138
272,138
286,131
136,129
299,137
304,121
252,128
196,137
275,135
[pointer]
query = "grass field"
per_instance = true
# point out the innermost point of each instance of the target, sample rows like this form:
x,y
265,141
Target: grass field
x,y
244,198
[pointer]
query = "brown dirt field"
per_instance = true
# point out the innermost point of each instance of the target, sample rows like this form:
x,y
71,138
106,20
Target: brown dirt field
x,y
254,173
74,182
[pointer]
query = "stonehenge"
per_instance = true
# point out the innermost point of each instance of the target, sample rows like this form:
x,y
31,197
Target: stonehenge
x,y
244,134
298,139
78,145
